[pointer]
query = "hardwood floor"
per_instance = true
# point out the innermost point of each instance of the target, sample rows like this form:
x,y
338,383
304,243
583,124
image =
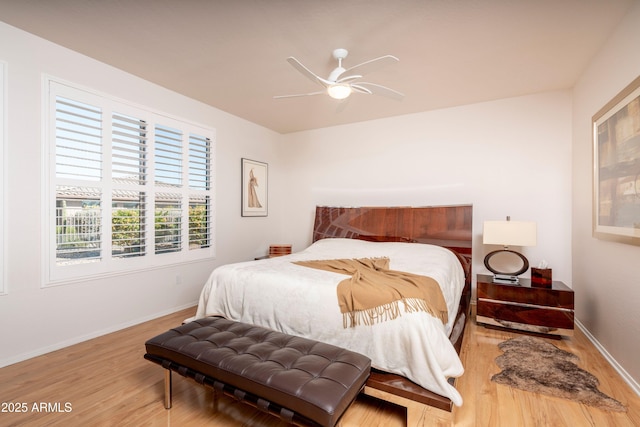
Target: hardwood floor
x,y
106,382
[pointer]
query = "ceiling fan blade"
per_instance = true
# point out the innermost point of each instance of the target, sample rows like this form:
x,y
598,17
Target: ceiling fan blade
x,y
299,95
372,65
361,89
374,89
306,72
349,78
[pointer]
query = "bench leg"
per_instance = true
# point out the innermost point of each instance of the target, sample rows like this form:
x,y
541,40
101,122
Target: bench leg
x,y
167,389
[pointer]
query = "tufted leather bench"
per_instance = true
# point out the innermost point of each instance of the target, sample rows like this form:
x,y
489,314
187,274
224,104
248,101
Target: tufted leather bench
x,y
303,381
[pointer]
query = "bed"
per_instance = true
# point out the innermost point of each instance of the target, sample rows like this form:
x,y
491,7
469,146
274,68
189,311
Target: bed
x,y
414,354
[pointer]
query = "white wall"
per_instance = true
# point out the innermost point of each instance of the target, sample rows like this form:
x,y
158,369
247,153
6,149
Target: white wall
x,y
606,274
506,157
35,319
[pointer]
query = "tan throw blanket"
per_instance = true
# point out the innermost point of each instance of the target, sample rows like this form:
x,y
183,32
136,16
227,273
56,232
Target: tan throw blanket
x,y
373,292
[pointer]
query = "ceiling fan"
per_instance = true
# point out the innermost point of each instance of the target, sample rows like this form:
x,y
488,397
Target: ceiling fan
x,y
343,82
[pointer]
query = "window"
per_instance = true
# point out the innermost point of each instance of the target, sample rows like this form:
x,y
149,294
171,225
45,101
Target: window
x,y
130,188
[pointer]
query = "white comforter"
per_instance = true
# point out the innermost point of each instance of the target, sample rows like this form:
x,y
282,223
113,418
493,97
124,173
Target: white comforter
x,y
280,295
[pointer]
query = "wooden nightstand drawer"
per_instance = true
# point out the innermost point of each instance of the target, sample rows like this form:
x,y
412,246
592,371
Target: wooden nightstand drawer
x,y
542,310
526,314
561,297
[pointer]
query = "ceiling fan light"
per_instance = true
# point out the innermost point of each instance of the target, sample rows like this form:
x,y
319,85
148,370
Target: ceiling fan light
x,y
339,91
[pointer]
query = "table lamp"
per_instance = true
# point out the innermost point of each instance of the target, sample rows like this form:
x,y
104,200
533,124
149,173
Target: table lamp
x,y
508,233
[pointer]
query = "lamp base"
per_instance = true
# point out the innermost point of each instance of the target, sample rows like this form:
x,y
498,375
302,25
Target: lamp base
x,y
501,275
505,278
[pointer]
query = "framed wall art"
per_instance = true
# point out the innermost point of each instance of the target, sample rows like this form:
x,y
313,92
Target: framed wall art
x,y
255,176
616,168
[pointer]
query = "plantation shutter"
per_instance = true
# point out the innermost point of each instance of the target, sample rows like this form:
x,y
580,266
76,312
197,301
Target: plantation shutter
x,y
78,140
199,182
168,218
128,224
78,164
168,156
129,171
199,221
129,149
199,162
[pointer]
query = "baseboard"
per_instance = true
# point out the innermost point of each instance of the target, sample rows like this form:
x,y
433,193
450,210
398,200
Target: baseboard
x,y
624,374
76,340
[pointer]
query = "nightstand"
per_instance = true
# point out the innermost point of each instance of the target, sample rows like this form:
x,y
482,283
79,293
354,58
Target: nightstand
x,y
526,308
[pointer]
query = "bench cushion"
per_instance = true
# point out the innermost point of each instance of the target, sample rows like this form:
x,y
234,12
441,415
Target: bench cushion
x,y
316,380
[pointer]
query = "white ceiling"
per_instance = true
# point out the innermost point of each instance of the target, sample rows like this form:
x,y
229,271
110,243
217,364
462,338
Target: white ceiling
x,y
232,54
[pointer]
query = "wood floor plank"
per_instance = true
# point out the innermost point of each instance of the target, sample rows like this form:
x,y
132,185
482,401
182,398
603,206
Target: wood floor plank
x,y
108,382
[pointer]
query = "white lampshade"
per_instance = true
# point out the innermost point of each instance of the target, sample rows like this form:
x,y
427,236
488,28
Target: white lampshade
x,y
339,91
509,233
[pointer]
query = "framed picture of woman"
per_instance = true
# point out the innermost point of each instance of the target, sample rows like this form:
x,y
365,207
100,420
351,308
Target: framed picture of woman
x,y
254,188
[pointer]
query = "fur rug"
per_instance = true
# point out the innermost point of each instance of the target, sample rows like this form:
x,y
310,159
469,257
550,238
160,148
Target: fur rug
x,y
535,365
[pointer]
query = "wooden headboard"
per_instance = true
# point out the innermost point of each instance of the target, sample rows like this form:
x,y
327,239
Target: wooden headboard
x,y
448,226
